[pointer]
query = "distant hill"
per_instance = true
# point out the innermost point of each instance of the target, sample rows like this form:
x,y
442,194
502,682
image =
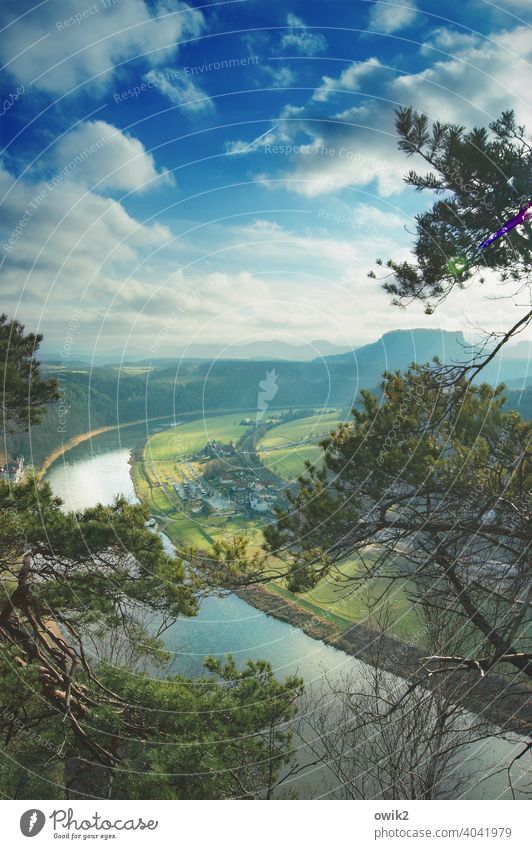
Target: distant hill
x,y
521,382
397,349
520,351
520,400
275,349
98,395
257,350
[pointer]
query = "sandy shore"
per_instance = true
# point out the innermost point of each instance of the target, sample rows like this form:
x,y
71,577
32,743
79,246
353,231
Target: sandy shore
x,y
83,437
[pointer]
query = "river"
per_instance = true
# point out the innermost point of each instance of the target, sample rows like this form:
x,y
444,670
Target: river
x,y
96,471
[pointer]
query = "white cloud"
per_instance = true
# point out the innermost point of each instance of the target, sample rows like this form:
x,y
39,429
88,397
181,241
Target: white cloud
x,y
55,51
334,155
380,219
56,239
181,91
237,146
315,285
517,4
477,84
280,75
240,146
297,39
349,79
286,248
301,39
342,303
391,17
448,40
268,280
120,161
357,146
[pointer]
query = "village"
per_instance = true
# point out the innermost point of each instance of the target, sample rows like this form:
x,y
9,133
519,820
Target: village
x,y
225,480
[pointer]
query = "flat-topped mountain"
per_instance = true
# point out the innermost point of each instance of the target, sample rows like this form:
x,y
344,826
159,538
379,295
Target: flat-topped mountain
x,y
397,349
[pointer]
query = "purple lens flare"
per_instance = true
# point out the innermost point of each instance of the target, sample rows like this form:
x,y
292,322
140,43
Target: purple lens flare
x,y
523,215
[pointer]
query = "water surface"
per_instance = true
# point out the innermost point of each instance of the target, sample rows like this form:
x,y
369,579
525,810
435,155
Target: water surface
x,y
97,471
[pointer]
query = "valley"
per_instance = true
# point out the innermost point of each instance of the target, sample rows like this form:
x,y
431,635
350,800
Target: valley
x,y
217,477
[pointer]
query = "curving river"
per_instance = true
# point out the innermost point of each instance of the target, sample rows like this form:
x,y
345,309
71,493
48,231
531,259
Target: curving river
x,y
96,471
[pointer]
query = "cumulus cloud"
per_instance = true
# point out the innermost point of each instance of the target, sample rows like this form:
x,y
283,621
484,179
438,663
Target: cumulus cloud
x,y
443,39
118,160
383,220
334,299
83,250
62,46
285,248
310,279
356,146
316,280
301,39
326,156
240,146
57,238
391,17
181,91
349,80
297,39
280,76
480,81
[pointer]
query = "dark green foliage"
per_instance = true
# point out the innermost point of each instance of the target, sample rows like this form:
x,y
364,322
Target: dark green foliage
x,y
24,392
84,707
438,482
222,736
483,178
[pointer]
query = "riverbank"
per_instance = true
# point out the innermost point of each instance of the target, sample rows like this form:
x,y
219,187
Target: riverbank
x,y
83,437
513,711
395,654
170,458
229,625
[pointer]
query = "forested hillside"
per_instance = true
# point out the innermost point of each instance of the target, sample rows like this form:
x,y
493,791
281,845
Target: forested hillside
x,y
109,395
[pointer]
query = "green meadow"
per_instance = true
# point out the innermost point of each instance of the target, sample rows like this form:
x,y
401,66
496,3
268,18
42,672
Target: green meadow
x,y
164,462
186,439
286,447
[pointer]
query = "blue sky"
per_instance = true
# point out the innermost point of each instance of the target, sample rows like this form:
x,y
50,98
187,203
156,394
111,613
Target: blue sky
x,y
228,171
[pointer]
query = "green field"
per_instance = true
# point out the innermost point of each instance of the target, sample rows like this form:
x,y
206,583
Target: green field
x,y
161,464
186,439
285,448
351,601
165,452
165,461
289,463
